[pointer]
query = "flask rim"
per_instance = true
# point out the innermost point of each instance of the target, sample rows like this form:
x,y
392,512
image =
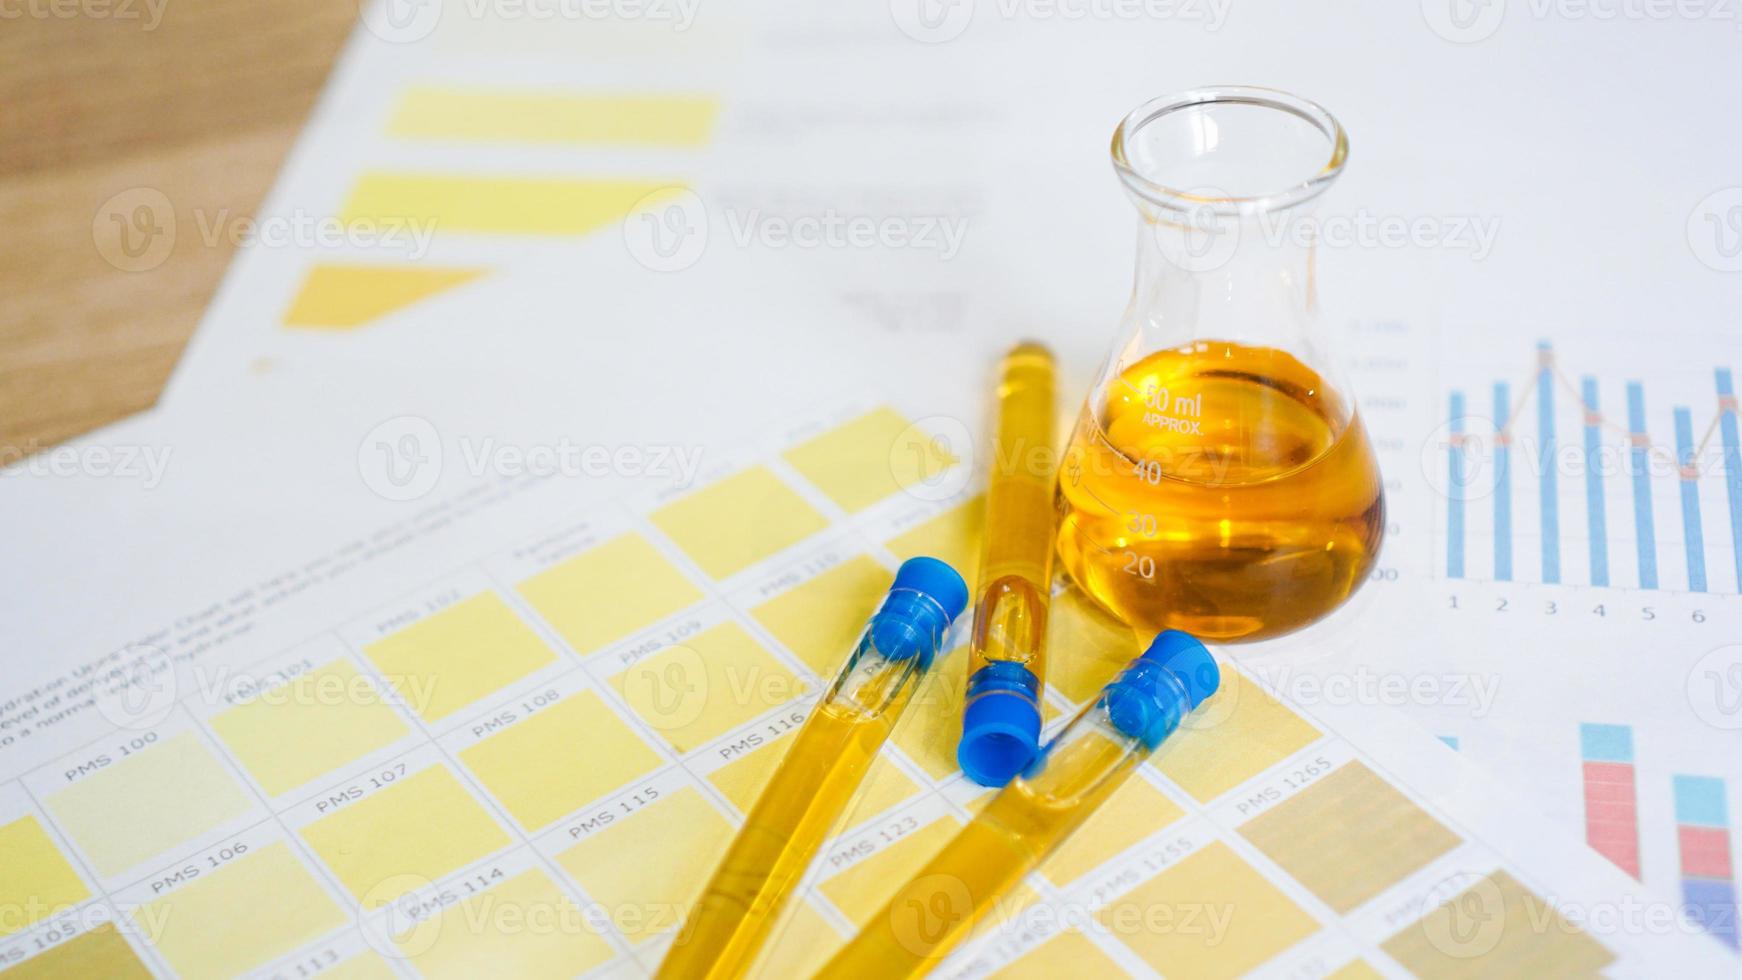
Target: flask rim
x,y
1178,200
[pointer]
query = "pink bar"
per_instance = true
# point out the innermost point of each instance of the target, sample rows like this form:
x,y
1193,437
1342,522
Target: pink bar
x,y
1705,851
1611,814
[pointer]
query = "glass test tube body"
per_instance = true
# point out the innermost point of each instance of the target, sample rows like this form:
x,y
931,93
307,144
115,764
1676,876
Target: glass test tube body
x,y
1007,650
1088,760
804,799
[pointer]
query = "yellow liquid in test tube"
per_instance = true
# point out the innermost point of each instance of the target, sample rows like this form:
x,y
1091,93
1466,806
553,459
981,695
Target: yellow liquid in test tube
x,y
1222,490
1007,651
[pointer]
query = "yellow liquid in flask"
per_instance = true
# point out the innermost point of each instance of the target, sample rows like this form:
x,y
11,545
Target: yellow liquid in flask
x,y
1219,489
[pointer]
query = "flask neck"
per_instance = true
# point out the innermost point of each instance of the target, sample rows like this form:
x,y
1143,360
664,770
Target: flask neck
x,y
1246,278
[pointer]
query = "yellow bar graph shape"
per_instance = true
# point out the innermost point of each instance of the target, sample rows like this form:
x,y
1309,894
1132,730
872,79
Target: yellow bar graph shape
x,y
502,116
552,206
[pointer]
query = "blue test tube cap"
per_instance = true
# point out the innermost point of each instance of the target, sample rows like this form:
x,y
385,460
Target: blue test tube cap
x,y
1171,678
1001,723
925,598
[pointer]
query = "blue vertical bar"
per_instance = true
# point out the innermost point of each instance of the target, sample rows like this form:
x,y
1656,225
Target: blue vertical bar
x,y
1455,491
1551,522
1502,484
1597,524
1732,465
1643,531
1690,484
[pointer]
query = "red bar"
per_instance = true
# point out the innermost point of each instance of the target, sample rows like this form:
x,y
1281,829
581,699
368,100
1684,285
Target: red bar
x,y
1611,813
1705,851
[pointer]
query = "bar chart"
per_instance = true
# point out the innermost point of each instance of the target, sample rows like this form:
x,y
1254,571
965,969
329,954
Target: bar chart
x,y
1592,477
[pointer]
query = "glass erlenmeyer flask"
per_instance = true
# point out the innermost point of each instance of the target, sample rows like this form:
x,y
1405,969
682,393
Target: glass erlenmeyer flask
x,y
1219,480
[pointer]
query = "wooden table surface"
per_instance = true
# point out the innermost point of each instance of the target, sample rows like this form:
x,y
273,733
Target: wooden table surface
x,y
197,99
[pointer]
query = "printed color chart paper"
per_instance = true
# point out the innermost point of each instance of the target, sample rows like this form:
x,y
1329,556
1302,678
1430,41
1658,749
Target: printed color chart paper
x,y
481,776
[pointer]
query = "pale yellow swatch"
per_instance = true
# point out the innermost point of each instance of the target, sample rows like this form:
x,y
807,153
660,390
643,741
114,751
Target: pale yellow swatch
x,y
38,882
953,537
102,952
339,297
799,944
820,620
714,682
308,726
524,927
1349,836
1496,928
254,909
404,837
647,868
1210,916
499,205
1068,954
563,757
465,652
607,592
1090,646
742,779
1133,812
428,112
145,804
738,521
1232,737
931,727
860,891
870,458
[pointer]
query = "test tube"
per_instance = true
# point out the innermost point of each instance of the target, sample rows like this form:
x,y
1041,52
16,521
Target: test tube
x,y
826,763
1007,649
1028,819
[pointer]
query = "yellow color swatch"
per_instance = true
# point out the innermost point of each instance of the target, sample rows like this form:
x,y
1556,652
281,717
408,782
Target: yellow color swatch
x,y
524,927
428,112
102,952
647,868
716,681
1236,735
931,728
403,837
308,726
799,945
1094,646
1349,837
38,881
953,537
1496,928
1356,970
873,456
563,757
860,891
465,652
821,619
1068,954
737,522
145,804
606,593
742,779
1209,916
254,909
498,205
1136,810
342,296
